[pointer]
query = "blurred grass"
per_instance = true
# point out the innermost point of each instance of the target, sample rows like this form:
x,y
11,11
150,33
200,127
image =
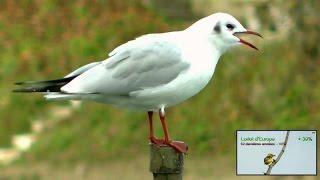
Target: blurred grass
x,y
270,89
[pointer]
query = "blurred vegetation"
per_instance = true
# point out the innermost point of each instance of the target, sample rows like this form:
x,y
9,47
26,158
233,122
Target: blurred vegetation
x,y
275,88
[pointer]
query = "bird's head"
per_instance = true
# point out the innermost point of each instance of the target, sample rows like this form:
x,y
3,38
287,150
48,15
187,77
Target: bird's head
x,y
222,30
271,155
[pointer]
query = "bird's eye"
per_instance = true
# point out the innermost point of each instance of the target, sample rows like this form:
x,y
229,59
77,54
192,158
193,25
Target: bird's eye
x,y
230,26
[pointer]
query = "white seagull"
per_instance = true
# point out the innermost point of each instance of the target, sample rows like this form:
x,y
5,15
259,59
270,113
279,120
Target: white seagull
x,y
152,72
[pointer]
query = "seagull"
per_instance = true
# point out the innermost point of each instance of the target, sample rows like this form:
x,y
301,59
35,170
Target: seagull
x,y
152,72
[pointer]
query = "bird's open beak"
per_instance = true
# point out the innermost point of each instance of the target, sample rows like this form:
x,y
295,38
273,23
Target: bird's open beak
x,y
246,42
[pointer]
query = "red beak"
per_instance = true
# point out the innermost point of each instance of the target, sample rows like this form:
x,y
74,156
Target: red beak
x,y
246,42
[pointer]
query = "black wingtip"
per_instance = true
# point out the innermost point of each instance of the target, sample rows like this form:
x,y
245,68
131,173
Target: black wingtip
x,y
43,86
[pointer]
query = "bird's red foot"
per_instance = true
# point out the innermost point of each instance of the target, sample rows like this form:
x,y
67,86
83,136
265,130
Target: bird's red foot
x,y
177,145
156,141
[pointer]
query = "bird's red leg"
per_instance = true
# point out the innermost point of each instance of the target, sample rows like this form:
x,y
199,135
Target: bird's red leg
x,y
177,145
152,138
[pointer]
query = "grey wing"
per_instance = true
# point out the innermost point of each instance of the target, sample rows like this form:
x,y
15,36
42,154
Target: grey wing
x,y
139,64
82,69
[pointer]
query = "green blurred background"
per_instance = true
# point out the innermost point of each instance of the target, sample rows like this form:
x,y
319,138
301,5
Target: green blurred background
x,y
275,88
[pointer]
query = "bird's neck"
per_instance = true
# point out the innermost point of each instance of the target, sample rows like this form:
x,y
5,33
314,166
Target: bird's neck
x,y
219,46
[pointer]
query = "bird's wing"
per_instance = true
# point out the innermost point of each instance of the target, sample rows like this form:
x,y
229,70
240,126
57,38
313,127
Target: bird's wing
x,y
82,69
146,62
266,160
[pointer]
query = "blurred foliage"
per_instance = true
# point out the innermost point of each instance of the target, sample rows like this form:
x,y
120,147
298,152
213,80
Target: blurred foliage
x,y
270,89
48,39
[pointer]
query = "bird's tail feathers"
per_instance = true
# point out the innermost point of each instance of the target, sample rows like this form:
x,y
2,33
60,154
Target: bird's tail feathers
x,y
61,96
